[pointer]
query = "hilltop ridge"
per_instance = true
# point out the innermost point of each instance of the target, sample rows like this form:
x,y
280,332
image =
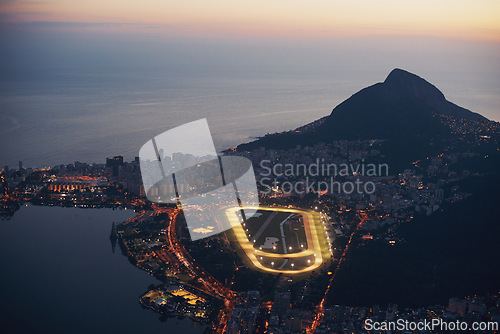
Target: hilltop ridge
x,y
403,107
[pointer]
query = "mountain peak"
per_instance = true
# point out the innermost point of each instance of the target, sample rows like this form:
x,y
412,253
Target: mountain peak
x,y
409,84
398,74
403,107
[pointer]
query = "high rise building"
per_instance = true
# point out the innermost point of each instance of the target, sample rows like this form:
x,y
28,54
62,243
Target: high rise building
x,y
114,163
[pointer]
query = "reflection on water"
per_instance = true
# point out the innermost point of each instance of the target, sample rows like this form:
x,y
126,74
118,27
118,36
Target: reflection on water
x,y
59,275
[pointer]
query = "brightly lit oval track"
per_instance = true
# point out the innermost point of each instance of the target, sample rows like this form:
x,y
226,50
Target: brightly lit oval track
x,y
306,256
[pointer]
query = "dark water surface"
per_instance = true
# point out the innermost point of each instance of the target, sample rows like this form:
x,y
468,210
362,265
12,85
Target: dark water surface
x,y
59,275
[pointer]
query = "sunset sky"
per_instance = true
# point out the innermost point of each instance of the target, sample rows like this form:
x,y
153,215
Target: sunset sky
x,y
463,19
452,43
251,66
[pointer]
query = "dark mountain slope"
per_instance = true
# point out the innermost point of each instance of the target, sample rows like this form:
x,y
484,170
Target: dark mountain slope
x,y
403,107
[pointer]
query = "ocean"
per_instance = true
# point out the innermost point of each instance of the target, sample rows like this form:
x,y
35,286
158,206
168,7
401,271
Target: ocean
x,y
52,117
60,275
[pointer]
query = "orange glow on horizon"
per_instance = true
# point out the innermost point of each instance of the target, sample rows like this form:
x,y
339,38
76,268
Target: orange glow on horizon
x,y
465,19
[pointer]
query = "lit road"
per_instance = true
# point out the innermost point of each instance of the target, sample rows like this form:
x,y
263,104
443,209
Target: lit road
x,y
320,309
210,284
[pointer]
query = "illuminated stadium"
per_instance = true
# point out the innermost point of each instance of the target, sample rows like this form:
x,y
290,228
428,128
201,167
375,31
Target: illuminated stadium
x,y
281,240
